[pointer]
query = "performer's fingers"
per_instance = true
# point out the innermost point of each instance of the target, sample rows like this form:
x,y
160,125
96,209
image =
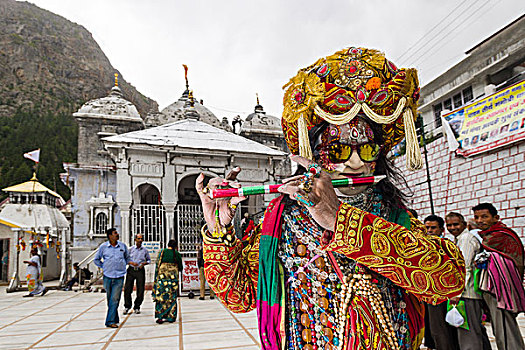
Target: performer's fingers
x,y
289,187
237,200
293,178
199,186
199,183
216,181
232,175
305,162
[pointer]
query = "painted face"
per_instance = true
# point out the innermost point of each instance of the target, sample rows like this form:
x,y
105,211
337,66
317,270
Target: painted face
x,y
347,151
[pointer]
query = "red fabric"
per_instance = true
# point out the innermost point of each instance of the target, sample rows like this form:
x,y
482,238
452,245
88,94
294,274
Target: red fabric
x,y
426,266
249,228
499,238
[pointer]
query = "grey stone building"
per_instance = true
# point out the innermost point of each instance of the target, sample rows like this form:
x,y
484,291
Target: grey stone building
x,y
139,176
92,179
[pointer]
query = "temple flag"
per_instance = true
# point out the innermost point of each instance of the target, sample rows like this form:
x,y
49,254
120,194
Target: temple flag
x,y
33,155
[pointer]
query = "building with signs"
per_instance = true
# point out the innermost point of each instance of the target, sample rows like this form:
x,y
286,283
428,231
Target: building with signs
x,y
140,177
483,100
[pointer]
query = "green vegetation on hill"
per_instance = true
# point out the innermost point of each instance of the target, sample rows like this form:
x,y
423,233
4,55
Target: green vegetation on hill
x,y
55,135
49,67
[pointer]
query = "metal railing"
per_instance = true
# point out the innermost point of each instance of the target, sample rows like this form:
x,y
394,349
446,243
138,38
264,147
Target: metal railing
x,y
150,221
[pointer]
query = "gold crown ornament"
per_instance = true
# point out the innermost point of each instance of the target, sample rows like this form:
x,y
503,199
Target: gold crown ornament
x,y
352,81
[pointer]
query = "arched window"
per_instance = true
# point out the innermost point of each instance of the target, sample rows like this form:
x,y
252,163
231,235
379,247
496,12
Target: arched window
x,y
101,223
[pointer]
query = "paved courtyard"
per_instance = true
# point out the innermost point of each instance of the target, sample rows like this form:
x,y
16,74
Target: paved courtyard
x,y
69,320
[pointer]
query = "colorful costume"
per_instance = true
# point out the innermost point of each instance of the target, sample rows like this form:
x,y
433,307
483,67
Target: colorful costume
x,y
362,290
166,286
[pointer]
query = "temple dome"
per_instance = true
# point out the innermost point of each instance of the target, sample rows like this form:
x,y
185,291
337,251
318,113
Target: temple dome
x,y
180,110
260,122
113,106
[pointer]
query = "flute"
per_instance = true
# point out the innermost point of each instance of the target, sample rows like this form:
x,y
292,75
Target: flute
x,y
247,191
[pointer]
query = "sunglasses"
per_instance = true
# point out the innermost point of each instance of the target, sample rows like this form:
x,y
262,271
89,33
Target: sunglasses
x,y
339,153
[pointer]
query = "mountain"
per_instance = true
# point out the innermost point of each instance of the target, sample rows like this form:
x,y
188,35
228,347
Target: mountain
x,y
49,67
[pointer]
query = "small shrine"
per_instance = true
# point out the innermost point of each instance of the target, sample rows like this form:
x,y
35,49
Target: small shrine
x,y
32,218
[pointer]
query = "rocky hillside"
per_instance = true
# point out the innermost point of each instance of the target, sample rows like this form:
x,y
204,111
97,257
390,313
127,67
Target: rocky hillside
x,y
50,63
49,67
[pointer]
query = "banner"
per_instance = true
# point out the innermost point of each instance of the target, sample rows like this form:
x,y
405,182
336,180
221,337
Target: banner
x,y
153,248
490,123
190,274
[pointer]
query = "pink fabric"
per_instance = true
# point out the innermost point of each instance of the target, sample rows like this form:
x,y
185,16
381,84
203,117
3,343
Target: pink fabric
x,y
505,283
270,317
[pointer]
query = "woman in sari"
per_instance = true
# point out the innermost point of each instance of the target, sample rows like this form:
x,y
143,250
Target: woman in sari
x,y
34,275
336,268
166,286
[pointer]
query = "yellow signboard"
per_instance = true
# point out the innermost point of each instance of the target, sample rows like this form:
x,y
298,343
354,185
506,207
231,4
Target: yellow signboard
x,y
495,121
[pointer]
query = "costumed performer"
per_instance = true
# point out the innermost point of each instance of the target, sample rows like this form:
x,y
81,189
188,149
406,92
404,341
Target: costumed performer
x,y
336,268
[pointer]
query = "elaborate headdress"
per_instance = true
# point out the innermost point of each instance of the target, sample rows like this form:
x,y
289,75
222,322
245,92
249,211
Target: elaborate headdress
x,y
352,81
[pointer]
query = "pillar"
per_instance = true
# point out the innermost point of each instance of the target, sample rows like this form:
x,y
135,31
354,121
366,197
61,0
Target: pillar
x,y
170,221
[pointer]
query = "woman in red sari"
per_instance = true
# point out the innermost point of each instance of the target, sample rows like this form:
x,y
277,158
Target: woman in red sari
x,y
336,268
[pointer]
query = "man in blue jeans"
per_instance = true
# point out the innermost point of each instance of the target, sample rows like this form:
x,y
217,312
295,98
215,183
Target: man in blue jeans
x,y
112,257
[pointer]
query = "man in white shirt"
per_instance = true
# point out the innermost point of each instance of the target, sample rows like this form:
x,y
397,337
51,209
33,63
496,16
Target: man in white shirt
x,y
476,336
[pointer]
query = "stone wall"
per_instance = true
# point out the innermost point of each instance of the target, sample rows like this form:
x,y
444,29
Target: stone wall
x,y
460,183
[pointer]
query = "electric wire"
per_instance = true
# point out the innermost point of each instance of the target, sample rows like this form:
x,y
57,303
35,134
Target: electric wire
x,y
420,57
430,31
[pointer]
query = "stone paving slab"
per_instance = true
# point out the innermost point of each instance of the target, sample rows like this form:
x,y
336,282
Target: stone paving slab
x,y
69,320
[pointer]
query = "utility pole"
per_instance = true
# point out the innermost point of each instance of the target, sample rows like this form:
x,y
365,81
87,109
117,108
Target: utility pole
x,y
429,182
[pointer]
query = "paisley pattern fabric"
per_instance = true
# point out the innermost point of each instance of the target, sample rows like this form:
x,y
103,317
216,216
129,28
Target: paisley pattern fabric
x,y
232,272
165,292
431,268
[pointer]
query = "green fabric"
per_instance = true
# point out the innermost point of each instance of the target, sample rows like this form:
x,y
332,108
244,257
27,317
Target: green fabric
x,y
269,271
169,255
477,274
400,217
166,291
461,308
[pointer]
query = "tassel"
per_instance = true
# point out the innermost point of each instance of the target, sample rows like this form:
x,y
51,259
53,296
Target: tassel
x,y
338,119
414,160
304,142
385,119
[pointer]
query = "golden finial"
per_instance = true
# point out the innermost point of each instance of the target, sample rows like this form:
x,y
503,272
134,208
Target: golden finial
x,y
116,79
190,97
256,94
186,76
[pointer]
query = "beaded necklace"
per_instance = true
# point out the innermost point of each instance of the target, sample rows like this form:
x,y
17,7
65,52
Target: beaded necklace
x,y
312,286
317,300
372,201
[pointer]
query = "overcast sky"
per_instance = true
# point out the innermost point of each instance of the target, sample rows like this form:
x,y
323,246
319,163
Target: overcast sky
x,y
237,48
